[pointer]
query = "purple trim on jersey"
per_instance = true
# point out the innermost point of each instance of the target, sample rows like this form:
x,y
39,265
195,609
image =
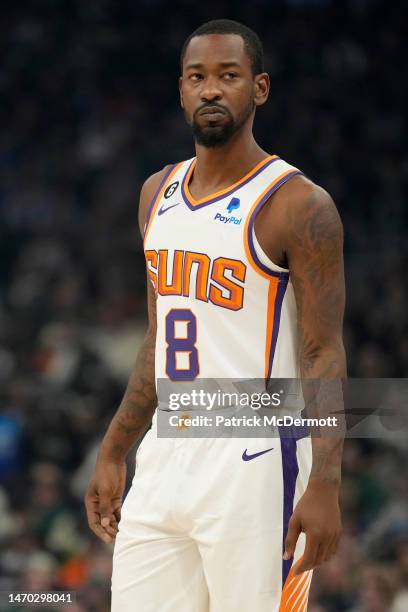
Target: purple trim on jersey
x,y
226,193
290,470
251,222
280,294
152,203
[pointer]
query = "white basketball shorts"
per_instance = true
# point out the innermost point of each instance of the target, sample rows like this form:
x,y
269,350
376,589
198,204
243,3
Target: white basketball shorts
x,y
203,526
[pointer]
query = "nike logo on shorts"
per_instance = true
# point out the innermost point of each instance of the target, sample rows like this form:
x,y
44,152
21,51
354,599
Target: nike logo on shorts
x,y
163,210
246,457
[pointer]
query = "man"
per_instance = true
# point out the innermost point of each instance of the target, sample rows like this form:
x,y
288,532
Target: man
x,y
244,261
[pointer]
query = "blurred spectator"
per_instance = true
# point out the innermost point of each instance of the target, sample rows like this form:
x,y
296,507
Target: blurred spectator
x,y
376,591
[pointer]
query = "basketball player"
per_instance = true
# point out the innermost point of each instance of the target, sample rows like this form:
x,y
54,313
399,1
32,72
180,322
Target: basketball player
x,y
245,280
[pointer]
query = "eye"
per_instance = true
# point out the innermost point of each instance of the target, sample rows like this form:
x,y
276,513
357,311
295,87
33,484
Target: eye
x,y
196,76
230,76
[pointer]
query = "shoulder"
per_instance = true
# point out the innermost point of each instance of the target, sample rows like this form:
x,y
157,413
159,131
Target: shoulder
x,y
303,195
147,193
304,208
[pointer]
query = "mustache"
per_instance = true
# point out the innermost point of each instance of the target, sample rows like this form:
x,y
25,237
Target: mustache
x,y
211,107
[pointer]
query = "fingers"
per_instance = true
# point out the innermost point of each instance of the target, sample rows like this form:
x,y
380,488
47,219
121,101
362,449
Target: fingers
x,y
334,544
322,553
294,530
117,514
110,526
102,522
308,560
105,505
101,532
319,549
94,522
107,512
327,549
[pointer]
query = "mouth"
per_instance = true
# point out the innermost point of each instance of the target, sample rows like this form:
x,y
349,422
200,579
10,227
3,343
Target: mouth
x,y
212,112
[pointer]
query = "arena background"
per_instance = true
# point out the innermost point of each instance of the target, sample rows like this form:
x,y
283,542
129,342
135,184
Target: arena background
x,y
89,110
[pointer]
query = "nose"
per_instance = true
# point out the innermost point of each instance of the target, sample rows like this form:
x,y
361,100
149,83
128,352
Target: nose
x,y
210,91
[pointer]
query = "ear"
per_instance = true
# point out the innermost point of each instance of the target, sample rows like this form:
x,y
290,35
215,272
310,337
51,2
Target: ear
x,y
180,91
261,88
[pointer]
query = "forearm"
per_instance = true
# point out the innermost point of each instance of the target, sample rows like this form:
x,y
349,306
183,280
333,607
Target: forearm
x,y
134,414
322,375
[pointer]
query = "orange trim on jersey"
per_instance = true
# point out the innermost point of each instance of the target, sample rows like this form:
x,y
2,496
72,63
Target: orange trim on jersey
x,y
236,299
203,272
176,282
217,194
151,256
159,197
295,591
248,219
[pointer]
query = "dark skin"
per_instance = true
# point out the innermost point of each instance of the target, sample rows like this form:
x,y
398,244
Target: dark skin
x,y
299,229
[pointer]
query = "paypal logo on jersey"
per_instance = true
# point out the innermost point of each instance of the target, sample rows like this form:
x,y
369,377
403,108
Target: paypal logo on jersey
x,y
233,205
225,219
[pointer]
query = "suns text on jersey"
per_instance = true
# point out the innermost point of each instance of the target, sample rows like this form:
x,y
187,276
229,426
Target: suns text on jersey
x,y
219,281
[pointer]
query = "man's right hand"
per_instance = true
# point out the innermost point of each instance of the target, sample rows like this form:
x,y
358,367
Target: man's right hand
x,y
103,498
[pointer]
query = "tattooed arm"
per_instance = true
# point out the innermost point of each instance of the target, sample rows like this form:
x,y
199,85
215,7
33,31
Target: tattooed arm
x,y
134,414
103,498
315,255
314,248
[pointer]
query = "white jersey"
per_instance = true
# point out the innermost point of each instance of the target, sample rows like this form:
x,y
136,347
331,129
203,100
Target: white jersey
x,y
224,310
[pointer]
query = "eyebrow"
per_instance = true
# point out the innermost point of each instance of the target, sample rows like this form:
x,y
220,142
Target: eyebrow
x,y
225,64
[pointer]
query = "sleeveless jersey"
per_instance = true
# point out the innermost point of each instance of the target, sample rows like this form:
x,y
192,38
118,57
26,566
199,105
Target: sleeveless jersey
x,y
223,309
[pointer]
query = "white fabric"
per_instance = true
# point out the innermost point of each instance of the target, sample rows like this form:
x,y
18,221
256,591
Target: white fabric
x,y
221,349
201,530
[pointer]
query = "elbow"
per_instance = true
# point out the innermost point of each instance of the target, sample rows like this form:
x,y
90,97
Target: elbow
x,y
324,361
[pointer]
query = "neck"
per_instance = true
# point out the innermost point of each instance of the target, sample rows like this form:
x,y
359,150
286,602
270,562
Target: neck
x,y
228,163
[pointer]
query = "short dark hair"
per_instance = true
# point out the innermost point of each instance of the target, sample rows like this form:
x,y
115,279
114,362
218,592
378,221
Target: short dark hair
x,y
252,42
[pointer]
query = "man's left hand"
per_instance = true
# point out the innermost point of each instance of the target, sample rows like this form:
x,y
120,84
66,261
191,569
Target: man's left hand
x,y
317,514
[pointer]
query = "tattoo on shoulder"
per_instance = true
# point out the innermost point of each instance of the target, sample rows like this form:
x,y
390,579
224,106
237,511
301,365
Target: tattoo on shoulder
x,y
319,227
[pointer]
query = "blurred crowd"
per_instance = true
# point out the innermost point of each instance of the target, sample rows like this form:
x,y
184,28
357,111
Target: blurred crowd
x,y
89,110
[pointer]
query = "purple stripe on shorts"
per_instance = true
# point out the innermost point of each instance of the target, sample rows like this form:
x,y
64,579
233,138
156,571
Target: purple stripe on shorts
x,y
290,470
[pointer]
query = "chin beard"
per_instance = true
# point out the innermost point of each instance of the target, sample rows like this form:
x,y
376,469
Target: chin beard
x,y
215,136
219,135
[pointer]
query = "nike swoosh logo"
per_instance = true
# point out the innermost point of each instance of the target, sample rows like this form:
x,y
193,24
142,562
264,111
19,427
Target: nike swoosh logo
x,y
247,457
163,210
